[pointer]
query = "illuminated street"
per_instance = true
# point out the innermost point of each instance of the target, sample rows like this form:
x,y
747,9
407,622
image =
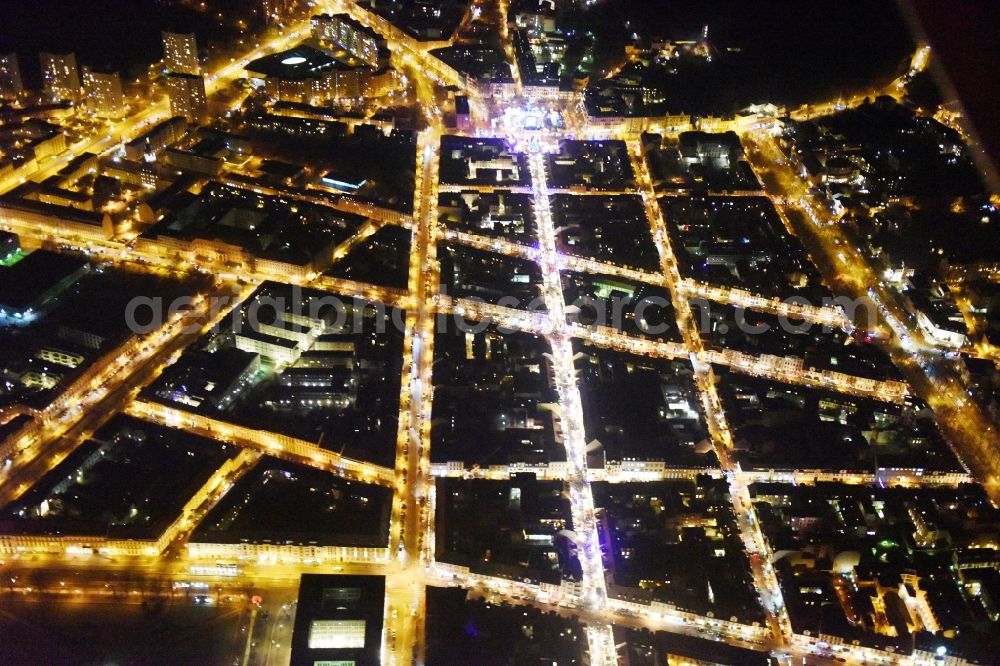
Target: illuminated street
x,y
417,200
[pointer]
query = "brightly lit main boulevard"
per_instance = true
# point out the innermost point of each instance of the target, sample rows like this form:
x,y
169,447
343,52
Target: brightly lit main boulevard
x,y
408,562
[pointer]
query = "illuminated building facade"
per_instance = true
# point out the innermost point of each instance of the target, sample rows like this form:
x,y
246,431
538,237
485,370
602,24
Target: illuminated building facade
x,y
180,53
187,96
10,76
342,31
103,92
60,76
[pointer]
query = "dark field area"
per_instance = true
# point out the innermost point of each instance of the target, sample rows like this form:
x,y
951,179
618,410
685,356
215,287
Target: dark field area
x,y
60,633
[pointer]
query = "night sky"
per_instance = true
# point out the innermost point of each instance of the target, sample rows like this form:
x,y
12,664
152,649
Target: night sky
x,y
124,34
964,36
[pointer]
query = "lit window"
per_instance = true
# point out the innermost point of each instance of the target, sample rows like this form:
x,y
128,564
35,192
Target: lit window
x,y
336,634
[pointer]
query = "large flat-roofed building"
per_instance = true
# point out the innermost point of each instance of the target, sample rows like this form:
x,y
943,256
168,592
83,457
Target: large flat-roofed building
x,y
704,146
141,173
10,76
187,96
103,92
60,357
27,287
338,620
279,350
60,76
341,180
303,62
216,380
204,157
33,213
311,74
180,53
156,139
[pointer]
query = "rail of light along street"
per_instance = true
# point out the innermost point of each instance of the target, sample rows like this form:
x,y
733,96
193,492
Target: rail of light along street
x,y
410,564
571,421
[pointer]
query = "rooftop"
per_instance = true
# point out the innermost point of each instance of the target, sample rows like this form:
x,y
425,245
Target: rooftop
x,y
338,620
282,502
129,481
298,63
